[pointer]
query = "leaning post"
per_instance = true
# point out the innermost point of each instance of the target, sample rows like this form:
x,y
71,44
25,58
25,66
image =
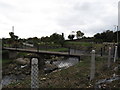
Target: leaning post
x,y
115,56
109,57
92,73
118,50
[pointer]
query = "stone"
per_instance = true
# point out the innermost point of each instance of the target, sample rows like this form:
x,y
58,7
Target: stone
x,y
22,61
50,67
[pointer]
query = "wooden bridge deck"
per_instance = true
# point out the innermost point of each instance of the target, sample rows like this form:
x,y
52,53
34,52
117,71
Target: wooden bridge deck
x,y
41,52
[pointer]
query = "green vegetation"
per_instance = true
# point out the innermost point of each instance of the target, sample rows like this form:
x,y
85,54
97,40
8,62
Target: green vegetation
x,y
21,54
107,36
85,44
76,76
79,34
5,61
59,50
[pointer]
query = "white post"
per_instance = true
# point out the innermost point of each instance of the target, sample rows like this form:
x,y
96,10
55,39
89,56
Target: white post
x,y
115,56
109,57
92,73
34,73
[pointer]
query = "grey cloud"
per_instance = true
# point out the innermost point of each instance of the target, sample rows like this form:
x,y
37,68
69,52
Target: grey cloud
x,y
59,15
5,5
88,13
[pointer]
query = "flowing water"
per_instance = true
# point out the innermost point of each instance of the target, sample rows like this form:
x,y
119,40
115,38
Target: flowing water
x,y
11,79
66,63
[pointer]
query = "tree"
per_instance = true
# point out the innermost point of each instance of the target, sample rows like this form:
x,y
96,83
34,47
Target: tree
x,y
97,38
79,34
57,38
45,39
13,39
107,36
71,37
115,36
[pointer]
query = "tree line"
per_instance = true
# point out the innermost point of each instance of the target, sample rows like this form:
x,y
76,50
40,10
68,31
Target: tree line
x,y
106,36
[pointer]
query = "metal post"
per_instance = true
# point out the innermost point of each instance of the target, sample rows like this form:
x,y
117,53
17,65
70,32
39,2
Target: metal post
x,y
1,64
117,35
92,73
115,56
101,52
118,50
34,74
109,57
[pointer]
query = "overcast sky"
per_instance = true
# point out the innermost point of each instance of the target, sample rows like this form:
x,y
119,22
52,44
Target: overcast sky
x,y
39,18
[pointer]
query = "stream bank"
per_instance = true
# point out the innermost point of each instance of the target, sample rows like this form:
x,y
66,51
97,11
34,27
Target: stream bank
x,y
19,69
77,76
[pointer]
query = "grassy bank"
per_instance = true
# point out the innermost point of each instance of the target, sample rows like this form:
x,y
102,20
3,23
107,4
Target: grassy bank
x,y
76,76
86,44
59,50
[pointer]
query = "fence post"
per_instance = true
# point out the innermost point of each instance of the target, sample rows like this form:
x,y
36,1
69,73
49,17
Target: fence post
x,y
92,73
115,56
1,64
101,52
34,73
118,50
109,57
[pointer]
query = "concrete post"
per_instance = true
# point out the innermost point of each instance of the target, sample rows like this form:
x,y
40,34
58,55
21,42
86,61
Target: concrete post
x,y
115,56
92,73
34,73
109,57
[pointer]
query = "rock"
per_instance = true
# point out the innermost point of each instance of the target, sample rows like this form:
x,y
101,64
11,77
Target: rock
x,y
22,61
43,79
23,66
50,67
116,68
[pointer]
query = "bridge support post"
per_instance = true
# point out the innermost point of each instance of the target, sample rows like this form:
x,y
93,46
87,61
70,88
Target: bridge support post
x,y
41,63
79,58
